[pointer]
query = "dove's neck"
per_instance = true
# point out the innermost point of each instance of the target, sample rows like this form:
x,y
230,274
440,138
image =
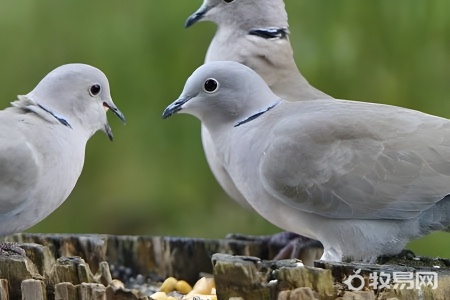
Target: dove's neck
x,y
221,123
277,67
28,105
256,114
60,119
236,32
295,87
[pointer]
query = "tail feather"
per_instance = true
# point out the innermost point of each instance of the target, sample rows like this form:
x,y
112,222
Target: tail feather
x,y
437,217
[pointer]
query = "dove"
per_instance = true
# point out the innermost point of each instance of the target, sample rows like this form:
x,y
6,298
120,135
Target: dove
x,y
43,137
362,178
254,33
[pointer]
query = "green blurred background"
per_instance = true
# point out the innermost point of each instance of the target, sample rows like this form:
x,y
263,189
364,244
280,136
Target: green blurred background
x,y
153,179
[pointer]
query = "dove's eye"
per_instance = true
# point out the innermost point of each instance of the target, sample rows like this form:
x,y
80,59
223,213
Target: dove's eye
x,y
228,1
95,90
210,85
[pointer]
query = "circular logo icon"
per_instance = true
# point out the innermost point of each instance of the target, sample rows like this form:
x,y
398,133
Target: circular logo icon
x,y
353,280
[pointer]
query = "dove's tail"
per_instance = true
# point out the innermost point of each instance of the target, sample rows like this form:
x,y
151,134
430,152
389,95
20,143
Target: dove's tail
x,y
437,217
444,206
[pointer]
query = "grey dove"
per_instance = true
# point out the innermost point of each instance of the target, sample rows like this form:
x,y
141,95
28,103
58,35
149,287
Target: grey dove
x,y
43,136
254,33
362,178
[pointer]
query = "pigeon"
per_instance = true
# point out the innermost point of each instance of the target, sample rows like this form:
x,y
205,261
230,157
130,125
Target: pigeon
x,y
362,178
43,136
254,33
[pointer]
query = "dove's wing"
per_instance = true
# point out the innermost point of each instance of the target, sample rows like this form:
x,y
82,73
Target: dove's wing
x,y
348,159
19,167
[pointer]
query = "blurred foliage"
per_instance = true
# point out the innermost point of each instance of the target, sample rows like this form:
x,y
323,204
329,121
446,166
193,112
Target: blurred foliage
x,y
153,179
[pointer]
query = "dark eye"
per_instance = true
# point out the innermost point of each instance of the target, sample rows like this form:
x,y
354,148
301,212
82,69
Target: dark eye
x,y
210,85
228,1
95,90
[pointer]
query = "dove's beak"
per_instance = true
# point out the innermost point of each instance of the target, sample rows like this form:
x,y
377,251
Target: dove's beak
x,y
115,110
175,107
110,105
108,132
197,16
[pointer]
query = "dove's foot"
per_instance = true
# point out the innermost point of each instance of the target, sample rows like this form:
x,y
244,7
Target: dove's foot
x,y
288,245
8,249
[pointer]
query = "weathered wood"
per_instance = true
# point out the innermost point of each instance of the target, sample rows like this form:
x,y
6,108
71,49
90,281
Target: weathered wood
x,y
362,295
103,274
33,289
165,256
15,269
41,256
342,271
92,291
297,276
4,290
251,278
71,269
66,291
240,276
303,293
134,259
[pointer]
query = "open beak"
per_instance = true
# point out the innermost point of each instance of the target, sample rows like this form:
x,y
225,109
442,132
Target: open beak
x,y
197,16
115,110
175,107
110,105
108,131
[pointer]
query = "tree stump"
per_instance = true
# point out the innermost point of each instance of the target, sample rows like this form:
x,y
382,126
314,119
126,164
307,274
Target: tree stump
x,y
82,267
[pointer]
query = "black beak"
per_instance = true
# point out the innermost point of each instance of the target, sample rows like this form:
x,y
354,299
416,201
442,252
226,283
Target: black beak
x,y
174,107
116,111
109,133
197,16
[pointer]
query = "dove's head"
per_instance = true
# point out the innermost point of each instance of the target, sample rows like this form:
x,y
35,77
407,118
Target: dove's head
x,y
223,92
76,95
245,14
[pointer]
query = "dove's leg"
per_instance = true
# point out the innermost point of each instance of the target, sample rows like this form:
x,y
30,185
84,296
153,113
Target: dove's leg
x,y
11,249
306,249
288,245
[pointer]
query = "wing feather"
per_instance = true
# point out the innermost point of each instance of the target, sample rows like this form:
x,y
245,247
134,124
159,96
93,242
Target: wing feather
x,y
358,160
19,169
